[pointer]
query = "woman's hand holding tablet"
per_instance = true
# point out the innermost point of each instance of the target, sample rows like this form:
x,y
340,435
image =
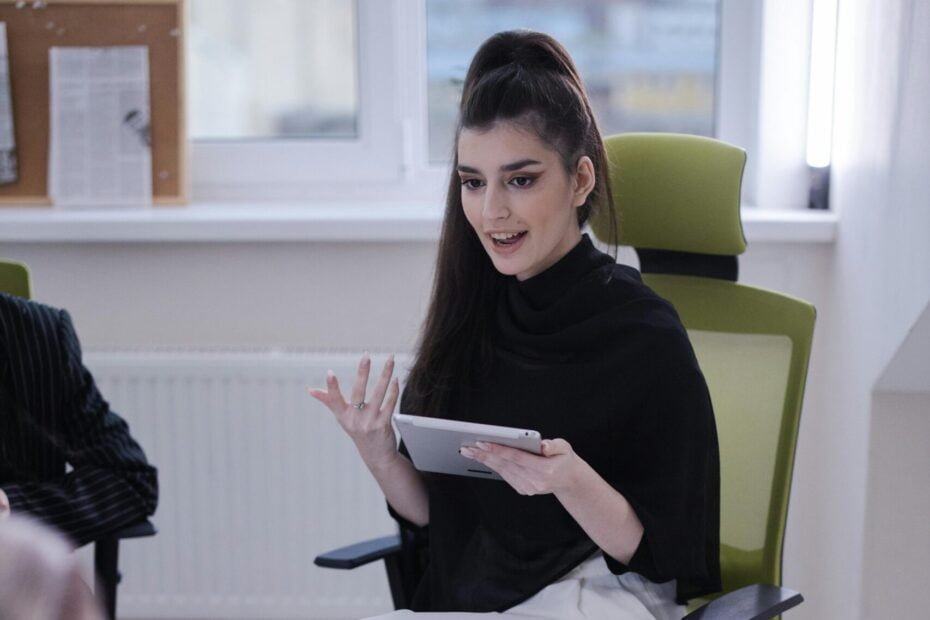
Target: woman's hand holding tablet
x,y
439,445
555,470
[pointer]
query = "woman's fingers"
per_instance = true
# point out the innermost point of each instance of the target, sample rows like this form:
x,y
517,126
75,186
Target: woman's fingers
x,y
361,380
493,457
320,395
551,447
528,473
513,474
391,397
516,456
331,396
336,402
383,399
384,380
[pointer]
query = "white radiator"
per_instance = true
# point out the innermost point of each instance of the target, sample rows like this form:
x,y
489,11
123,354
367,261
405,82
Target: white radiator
x,y
256,479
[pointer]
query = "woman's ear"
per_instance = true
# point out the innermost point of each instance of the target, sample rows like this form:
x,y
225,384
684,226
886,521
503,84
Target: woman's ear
x,y
583,180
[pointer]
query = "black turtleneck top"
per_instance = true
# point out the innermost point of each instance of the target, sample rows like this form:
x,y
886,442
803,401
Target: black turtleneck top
x,y
586,352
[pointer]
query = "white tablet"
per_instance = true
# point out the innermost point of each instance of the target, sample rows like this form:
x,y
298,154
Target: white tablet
x,y
434,443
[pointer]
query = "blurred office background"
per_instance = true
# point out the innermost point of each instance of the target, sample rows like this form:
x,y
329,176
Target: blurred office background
x,y
321,131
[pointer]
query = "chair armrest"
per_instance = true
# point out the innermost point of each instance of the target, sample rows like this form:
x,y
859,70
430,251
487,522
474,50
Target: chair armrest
x,y
361,553
136,530
755,602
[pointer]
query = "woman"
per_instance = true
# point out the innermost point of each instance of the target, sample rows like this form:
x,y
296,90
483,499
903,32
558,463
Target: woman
x,y
531,326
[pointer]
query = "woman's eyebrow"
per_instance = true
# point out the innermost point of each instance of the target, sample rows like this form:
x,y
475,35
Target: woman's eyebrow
x,y
519,164
505,168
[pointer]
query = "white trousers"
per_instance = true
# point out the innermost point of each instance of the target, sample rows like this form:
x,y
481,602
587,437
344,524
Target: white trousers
x,y
589,591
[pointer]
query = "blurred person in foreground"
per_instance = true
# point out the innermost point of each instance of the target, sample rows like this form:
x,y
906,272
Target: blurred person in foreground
x,y
40,579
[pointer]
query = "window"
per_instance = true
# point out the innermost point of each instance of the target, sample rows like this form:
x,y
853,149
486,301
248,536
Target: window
x,y
314,103
357,98
647,65
281,68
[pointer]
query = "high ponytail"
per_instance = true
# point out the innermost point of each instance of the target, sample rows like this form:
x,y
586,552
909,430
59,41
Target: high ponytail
x,y
532,51
528,79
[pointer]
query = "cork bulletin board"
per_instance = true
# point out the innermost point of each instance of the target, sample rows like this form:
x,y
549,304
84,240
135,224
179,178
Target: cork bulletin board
x,y
34,27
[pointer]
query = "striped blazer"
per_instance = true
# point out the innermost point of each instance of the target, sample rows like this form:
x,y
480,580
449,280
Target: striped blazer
x,y
65,458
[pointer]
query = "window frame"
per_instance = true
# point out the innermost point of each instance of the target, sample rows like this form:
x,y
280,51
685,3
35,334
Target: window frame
x,y
389,160
289,169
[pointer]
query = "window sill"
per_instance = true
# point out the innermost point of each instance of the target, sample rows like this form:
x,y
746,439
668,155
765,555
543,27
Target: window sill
x,y
382,222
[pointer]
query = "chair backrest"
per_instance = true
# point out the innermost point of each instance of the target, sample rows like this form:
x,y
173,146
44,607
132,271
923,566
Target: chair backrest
x,y
14,278
677,202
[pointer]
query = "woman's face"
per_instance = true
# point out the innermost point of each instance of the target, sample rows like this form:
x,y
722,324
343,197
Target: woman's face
x,y
519,199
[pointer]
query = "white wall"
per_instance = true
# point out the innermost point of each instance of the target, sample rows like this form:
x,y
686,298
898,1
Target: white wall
x,y
302,295
895,568
880,283
319,295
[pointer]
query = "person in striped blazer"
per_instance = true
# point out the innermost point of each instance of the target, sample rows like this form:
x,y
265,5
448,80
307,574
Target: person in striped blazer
x,y
53,416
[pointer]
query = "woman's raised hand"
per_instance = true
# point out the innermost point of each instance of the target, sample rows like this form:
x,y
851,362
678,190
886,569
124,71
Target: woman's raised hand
x,y
367,422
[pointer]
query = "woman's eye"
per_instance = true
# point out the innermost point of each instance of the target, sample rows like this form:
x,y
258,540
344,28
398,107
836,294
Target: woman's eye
x,y
471,183
522,181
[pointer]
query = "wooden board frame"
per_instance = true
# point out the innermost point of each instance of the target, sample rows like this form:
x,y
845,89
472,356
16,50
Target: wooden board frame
x,y
33,27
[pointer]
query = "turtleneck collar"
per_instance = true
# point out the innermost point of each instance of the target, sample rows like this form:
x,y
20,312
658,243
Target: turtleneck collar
x,y
546,287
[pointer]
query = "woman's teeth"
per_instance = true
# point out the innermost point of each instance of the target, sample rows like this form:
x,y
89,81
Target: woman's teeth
x,y
506,238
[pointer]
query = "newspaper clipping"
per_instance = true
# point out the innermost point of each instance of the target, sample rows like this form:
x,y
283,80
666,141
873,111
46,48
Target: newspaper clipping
x,y
100,150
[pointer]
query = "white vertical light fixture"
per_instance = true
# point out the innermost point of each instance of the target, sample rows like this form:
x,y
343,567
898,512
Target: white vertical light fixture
x,y
820,101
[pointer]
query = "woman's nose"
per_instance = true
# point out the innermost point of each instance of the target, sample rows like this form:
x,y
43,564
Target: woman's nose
x,y
495,204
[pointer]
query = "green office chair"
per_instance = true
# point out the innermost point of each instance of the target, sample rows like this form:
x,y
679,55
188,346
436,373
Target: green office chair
x,y
677,200
14,280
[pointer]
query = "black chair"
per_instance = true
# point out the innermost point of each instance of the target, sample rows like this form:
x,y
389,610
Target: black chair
x,y
106,562
403,557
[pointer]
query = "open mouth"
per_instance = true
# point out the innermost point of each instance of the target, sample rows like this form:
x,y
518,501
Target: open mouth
x,y
507,239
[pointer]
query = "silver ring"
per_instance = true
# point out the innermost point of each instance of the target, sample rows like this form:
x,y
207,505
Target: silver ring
x,y
359,406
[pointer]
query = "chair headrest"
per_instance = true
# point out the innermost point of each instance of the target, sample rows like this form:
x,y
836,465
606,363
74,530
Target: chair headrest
x,y
675,192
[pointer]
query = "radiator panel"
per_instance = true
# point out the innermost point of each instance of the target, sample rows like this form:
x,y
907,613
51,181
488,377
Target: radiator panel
x,y
256,479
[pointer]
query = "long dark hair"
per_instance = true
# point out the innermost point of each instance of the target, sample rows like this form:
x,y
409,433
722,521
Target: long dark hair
x,y
529,79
